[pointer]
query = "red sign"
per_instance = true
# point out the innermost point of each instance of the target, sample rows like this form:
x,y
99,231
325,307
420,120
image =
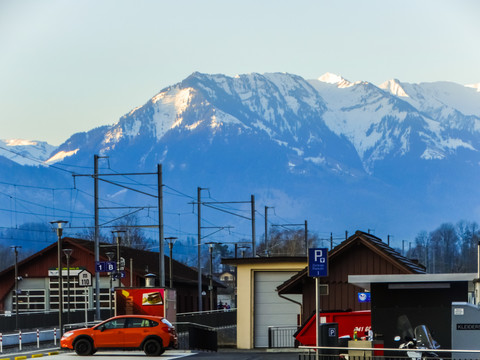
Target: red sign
x,y
141,301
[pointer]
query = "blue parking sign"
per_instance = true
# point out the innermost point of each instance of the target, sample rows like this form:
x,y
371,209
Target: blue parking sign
x,y
317,262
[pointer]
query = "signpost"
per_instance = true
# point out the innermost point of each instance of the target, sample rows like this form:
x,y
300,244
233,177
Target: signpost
x,y
317,267
85,280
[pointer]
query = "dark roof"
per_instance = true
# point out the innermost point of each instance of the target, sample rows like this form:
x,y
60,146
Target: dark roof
x,y
294,284
142,259
376,244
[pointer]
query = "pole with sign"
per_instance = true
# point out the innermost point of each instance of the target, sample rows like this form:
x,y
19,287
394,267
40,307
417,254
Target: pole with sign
x,y
85,280
317,267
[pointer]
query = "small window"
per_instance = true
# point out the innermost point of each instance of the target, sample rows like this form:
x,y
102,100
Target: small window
x,y
139,322
115,324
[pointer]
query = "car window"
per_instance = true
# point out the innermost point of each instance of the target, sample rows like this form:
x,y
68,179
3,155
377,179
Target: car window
x,y
139,322
114,324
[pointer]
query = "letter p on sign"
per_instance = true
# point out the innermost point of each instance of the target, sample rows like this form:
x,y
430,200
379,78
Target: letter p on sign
x,y
317,262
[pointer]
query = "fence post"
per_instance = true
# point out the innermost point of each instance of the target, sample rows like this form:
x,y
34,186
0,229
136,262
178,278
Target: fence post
x,y
269,337
38,339
54,336
1,342
20,340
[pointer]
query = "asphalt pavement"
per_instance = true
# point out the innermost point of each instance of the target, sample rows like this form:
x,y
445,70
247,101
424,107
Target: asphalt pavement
x,y
233,354
227,354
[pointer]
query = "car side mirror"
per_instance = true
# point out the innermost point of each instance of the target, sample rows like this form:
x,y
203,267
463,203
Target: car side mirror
x,y
102,328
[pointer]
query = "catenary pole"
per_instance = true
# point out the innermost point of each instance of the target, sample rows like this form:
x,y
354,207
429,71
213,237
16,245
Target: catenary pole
x,y
97,247
199,241
253,225
161,260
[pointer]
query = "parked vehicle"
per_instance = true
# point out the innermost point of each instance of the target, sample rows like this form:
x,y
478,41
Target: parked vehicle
x,y
152,334
420,338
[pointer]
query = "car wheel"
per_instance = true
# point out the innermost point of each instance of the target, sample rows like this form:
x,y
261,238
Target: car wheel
x,y
83,347
153,347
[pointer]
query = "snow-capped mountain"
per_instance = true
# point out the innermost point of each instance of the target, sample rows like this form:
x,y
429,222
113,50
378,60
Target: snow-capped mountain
x,y
26,152
317,146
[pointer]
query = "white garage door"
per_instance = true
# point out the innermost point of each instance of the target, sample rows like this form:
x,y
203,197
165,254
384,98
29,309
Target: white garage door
x,y
270,309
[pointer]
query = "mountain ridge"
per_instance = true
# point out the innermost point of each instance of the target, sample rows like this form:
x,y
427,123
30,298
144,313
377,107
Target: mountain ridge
x,y
392,148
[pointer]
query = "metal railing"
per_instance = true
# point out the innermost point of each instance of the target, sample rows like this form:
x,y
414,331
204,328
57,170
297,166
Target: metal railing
x,y
362,353
282,337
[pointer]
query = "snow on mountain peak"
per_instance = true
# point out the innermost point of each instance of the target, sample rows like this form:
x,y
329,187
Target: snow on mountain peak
x,y
26,152
20,142
334,79
474,86
394,87
331,78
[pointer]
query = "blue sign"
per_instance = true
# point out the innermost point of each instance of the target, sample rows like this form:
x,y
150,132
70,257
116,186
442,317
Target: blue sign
x,y
110,266
317,262
105,266
363,297
332,332
119,274
100,266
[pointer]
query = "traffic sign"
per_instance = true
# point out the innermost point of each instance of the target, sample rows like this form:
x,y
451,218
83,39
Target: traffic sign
x,y
105,266
100,266
317,262
84,278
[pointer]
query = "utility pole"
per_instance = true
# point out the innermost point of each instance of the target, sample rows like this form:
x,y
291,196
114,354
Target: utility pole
x,y
331,241
161,260
199,243
266,230
96,240
96,177
306,238
253,224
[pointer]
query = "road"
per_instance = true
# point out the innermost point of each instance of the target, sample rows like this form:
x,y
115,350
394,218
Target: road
x,y
168,355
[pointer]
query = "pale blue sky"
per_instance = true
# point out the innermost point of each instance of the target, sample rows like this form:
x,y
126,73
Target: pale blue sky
x,y
69,66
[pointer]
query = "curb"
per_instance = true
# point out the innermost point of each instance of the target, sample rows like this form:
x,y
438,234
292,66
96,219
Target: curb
x,y
37,355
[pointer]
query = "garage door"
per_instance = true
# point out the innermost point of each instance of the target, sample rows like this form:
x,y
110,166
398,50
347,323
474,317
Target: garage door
x,y
270,309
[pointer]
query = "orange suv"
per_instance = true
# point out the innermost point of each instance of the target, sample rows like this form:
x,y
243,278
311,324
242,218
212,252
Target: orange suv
x,y
152,334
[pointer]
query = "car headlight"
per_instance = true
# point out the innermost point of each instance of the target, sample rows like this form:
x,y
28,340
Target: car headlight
x,y
67,334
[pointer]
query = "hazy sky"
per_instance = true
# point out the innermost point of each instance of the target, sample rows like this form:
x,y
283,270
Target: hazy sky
x,y
69,66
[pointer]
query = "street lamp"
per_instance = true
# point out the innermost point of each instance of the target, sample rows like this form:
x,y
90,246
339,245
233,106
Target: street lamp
x,y
59,228
15,248
110,255
170,247
210,287
243,248
67,253
117,239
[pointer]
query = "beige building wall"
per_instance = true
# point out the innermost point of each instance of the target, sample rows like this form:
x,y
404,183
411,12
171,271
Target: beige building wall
x,y
245,294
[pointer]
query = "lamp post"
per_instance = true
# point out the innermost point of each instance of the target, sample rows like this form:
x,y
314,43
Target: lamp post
x,y
170,268
59,228
210,286
67,253
15,248
243,249
110,255
117,239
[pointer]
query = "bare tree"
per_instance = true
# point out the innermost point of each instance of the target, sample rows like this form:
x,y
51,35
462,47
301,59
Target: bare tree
x,y
134,236
287,242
